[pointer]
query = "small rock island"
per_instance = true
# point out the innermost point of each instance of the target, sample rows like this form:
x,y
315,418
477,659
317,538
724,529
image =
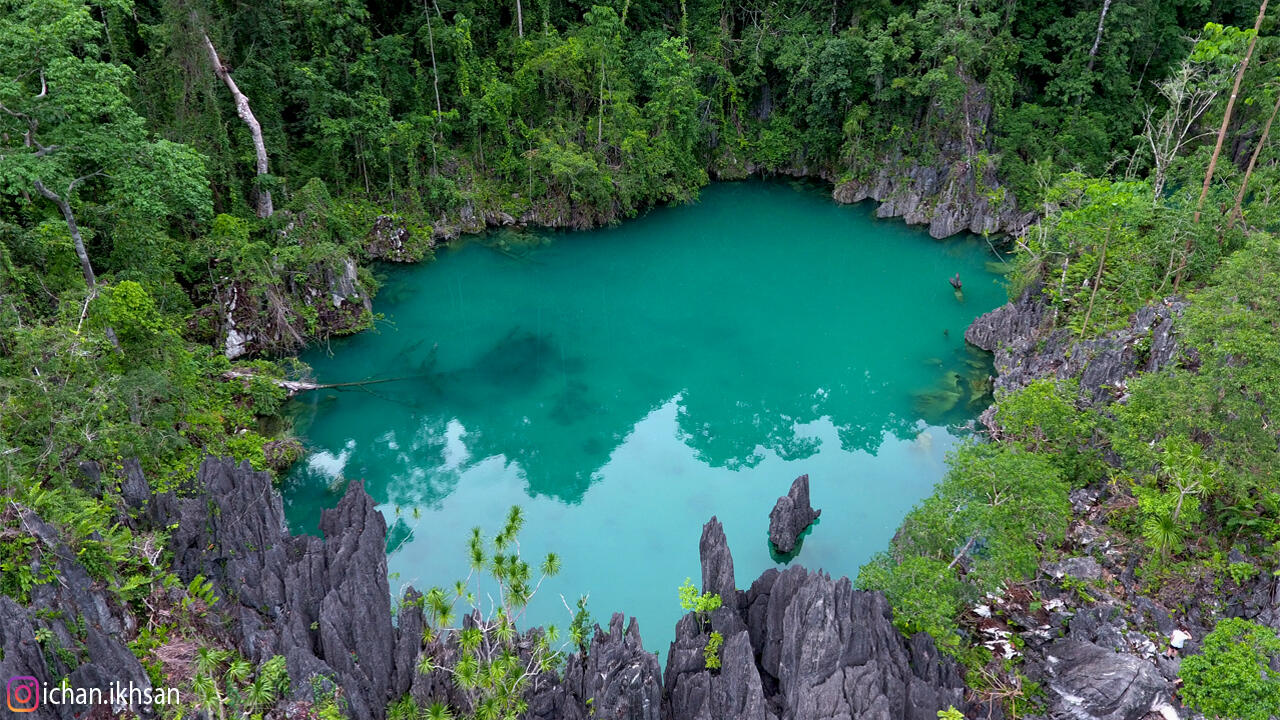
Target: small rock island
x,y
791,515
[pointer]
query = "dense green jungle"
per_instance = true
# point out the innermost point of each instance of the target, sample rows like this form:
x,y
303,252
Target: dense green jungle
x,y
192,192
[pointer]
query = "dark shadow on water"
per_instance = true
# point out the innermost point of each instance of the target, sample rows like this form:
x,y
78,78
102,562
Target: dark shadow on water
x,y
516,361
575,404
786,558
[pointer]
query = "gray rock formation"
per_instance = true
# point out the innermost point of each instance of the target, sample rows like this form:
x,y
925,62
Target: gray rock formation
x,y
798,646
734,692
324,604
1080,568
1090,682
252,319
945,197
390,239
801,646
833,652
717,563
791,515
617,676
955,192
71,629
1025,350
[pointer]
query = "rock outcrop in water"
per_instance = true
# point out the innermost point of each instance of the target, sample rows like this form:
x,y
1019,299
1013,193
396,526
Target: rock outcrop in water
x,y
791,515
948,197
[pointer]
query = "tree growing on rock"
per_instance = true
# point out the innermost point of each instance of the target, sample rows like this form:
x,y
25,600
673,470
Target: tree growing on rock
x,y
496,664
702,606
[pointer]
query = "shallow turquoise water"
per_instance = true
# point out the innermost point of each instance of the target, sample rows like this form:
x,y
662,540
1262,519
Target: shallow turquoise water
x,y
624,385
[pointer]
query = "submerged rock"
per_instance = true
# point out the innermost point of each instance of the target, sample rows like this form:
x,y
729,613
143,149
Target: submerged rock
x,y
791,515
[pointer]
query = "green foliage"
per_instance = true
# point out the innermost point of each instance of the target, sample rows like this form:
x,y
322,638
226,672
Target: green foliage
x,y
327,702
925,594
16,576
497,662
711,653
440,114
700,605
995,508
228,685
1110,248
1232,676
1043,417
580,625
199,597
990,517
1204,436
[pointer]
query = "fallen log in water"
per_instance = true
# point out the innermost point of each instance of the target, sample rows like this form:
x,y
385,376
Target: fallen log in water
x,y
293,387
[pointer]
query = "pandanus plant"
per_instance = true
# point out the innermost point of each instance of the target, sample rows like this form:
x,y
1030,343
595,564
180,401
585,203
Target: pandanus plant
x,y
496,664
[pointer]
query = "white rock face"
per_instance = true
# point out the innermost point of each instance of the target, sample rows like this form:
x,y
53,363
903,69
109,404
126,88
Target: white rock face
x,y
235,342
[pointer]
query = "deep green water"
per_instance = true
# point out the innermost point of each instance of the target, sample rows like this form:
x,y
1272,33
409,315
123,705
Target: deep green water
x,y
624,385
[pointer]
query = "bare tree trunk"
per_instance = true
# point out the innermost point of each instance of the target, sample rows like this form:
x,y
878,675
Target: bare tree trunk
x,y
76,238
265,208
435,71
435,84
1226,117
519,19
1253,160
90,279
1188,98
1097,38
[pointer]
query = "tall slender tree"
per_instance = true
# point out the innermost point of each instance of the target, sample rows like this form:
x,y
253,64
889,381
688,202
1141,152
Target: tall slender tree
x,y
1226,116
1236,212
264,204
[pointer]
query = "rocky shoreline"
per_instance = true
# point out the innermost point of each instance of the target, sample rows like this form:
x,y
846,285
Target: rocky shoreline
x,y
950,196
1092,638
796,645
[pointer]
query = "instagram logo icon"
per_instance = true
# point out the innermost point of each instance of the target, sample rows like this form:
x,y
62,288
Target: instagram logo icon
x,y
23,693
